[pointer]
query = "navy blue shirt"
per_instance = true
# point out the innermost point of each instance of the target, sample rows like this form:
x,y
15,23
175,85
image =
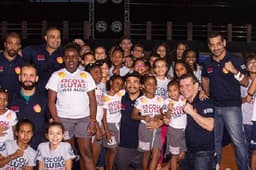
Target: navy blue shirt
x,y
224,88
9,73
198,138
128,127
36,110
44,62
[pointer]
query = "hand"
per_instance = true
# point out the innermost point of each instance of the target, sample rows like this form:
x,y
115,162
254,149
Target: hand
x,y
91,129
249,99
188,108
202,95
154,124
108,136
166,120
18,153
79,41
99,133
3,130
147,118
230,67
116,71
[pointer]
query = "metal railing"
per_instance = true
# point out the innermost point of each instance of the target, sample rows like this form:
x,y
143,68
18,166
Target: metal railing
x,y
145,31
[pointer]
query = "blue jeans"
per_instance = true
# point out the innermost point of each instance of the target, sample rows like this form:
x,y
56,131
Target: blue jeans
x,y
231,118
202,160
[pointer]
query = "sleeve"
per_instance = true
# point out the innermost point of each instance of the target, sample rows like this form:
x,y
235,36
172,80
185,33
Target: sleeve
x,y
165,105
204,71
3,150
137,104
91,83
52,83
69,154
209,110
243,91
14,118
106,98
39,155
32,158
239,64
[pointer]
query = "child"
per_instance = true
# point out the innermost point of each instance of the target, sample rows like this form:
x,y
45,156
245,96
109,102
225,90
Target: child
x,y
87,58
55,154
111,118
117,59
128,62
139,66
8,118
17,154
160,69
247,107
177,120
147,109
105,65
96,73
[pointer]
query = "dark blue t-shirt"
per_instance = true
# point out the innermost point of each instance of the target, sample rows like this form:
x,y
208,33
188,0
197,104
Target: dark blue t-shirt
x,y
44,62
9,73
36,110
198,138
128,127
224,88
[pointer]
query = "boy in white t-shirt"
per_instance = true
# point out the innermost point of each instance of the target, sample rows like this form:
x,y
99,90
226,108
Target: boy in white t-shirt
x,y
175,117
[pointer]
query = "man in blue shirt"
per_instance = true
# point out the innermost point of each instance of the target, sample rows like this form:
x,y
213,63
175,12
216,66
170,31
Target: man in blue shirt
x,y
10,63
127,154
222,76
46,57
199,131
29,103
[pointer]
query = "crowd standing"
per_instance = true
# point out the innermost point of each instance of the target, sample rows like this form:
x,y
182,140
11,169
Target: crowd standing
x,y
72,106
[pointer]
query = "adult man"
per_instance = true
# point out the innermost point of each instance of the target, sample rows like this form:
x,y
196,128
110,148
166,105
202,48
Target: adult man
x,y
46,57
10,63
72,101
31,104
127,154
199,131
221,78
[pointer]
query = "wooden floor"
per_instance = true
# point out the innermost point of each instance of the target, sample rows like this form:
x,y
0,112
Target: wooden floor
x,y
228,161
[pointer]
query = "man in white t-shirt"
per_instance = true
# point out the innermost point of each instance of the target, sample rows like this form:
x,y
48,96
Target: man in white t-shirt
x,y
72,101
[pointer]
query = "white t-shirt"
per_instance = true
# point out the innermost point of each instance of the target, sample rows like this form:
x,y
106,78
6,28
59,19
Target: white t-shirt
x,y
123,71
247,108
112,104
72,98
162,88
149,107
198,73
27,159
54,159
99,92
178,116
7,121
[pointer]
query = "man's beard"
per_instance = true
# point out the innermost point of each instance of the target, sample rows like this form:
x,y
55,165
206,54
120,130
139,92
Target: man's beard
x,y
28,87
12,53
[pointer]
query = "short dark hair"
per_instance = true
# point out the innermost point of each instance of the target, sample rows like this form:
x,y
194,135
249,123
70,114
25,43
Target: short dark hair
x,y
25,121
72,45
133,74
189,75
51,124
214,34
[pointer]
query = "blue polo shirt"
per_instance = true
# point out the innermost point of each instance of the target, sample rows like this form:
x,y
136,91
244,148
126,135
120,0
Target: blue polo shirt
x,y
44,62
9,73
197,138
35,109
128,127
224,88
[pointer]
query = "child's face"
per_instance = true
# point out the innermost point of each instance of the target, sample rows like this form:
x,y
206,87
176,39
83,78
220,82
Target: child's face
x,y
138,52
174,92
96,74
140,67
100,53
116,85
160,68
251,66
128,62
71,59
150,86
25,133
117,58
179,51
3,101
190,58
180,69
161,50
105,70
89,58
55,135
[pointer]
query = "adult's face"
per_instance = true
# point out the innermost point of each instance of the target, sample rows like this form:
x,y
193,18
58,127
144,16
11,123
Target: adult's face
x,y
188,88
28,77
132,85
71,59
53,39
12,46
217,46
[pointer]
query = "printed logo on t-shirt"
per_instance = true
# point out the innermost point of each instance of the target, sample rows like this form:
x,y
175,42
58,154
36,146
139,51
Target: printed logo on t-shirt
x,y
62,74
40,57
17,163
17,70
37,108
83,75
74,85
1,68
54,162
209,70
59,60
208,110
114,107
15,108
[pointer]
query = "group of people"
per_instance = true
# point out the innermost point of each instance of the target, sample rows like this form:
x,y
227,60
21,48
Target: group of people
x,y
121,109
